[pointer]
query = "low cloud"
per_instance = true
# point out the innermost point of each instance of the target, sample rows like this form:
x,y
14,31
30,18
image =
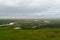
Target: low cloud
x,y
29,7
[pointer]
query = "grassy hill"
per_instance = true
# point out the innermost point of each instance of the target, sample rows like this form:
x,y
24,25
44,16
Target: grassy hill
x,y
39,34
44,30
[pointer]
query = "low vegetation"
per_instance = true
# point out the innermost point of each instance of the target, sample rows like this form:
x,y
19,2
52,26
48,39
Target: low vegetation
x,y
39,34
30,31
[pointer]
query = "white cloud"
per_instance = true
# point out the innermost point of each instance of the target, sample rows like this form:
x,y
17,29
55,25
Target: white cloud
x,y
29,7
22,2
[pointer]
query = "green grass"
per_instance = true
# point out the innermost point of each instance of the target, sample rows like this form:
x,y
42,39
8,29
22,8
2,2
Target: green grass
x,y
39,34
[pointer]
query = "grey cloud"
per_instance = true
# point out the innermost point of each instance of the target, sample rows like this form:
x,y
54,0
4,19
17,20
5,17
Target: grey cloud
x,y
29,7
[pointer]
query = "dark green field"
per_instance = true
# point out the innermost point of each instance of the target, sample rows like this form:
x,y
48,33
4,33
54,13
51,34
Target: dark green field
x,y
50,31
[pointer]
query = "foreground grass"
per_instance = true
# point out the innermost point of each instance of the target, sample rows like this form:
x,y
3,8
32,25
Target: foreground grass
x,y
39,34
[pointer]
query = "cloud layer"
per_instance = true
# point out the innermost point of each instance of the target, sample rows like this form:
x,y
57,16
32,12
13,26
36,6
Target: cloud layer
x,y
29,7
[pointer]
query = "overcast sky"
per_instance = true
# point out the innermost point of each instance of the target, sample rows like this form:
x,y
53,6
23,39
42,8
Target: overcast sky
x,y
16,8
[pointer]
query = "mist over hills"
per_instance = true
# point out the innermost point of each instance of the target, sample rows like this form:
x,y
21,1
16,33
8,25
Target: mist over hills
x,y
39,16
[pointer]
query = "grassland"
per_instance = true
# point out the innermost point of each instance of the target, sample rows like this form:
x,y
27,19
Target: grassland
x,y
50,31
39,34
